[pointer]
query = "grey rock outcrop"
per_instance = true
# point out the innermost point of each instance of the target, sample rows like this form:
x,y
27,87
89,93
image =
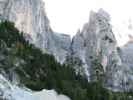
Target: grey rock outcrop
x,y
95,39
126,53
93,50
30,17
96,47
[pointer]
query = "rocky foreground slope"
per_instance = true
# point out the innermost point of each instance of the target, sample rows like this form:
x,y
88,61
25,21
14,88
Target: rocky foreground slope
x,y
92,51
9,91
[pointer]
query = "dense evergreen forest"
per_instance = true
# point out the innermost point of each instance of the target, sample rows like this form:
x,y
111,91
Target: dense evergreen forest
x,y
38,71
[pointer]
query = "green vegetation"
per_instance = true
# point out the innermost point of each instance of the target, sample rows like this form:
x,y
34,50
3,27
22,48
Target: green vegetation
x,y
76,64
38,71
97,71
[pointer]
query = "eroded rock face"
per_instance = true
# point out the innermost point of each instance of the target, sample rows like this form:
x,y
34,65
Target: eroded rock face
x,y
29,16
126,53
92,51
95,40
96,46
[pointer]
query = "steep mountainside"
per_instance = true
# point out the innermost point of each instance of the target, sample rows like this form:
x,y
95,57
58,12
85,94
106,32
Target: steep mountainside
x,y
127,54
23,66
29,16
25,71
92,52
95,41
96,49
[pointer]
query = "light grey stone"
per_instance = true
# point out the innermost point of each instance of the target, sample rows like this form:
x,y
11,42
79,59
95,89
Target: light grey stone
x,y
95,42
30,17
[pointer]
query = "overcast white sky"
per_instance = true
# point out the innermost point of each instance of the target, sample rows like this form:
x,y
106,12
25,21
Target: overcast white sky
x,y
67,16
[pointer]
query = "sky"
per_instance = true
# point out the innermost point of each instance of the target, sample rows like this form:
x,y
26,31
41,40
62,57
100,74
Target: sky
x,y
67,16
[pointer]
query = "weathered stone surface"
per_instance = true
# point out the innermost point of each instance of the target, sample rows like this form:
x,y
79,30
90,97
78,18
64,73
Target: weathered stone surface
x,y
95,44
126,53
29,16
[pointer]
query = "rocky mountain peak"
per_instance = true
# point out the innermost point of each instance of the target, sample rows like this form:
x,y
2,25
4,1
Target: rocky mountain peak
x,y
92,51
96,47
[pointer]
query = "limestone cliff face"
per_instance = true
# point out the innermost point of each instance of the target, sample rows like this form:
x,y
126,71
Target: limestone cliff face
x,y
92,51
95,40
126,53
101,59
29,16
96,47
